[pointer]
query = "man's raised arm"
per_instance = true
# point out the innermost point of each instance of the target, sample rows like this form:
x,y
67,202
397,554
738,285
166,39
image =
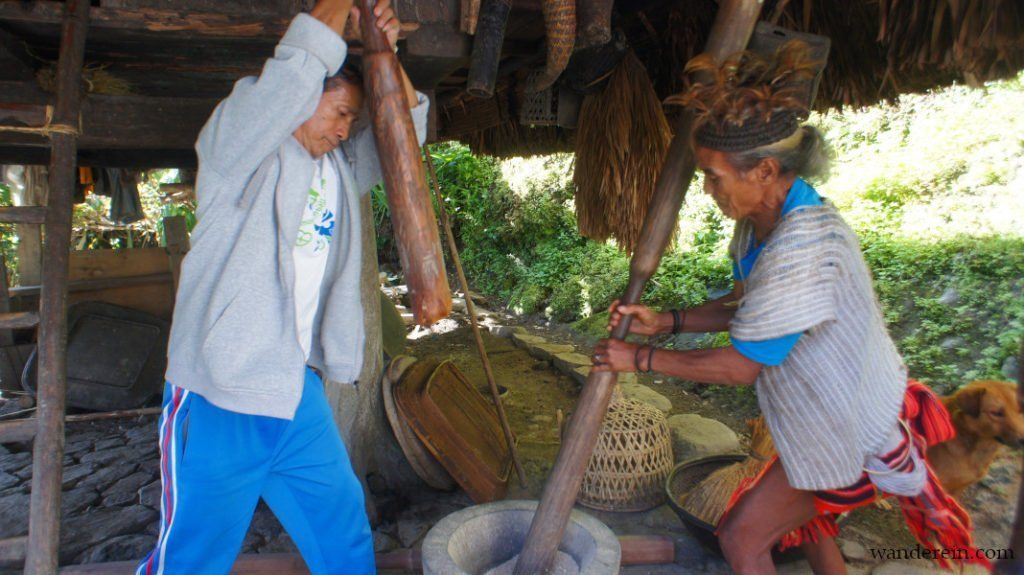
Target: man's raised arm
x,y
262,112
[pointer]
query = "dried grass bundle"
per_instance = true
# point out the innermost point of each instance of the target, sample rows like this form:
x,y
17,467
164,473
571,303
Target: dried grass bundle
x,y
879,49
982,39
708,499
747,86
511,139
621,141
95,80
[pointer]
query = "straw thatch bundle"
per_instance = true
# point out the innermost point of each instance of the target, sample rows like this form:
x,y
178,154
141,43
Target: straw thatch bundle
x,y
880,49
95,80
511,139
621,141
982,39
708,499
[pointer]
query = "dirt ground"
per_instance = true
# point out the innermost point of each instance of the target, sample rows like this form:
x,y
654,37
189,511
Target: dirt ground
x,y
111,477
537,392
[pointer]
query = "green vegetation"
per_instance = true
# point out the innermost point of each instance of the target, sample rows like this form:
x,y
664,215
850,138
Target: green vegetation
x,y
931,184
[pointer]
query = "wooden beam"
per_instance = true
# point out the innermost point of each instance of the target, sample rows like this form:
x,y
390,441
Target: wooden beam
x,y
12,552
98,284
117,131
18,430
636,550
48,448
141,159
22,215
114,122
161,21
18,320
15,61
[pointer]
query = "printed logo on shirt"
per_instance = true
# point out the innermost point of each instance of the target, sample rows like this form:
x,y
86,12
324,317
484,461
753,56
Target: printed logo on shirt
x,y
317,226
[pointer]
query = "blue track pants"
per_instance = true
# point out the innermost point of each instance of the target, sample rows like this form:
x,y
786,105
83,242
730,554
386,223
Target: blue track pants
x,y
216,464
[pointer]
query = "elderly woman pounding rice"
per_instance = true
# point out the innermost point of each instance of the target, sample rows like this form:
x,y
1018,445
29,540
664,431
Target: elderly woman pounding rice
x,y
805,328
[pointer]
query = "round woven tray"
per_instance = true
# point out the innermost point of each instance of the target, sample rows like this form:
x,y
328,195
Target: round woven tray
x,y
631,461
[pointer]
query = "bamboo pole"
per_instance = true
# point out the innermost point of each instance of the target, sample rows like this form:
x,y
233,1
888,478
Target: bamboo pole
x,y
734,23
471,310
419,245
486,56
48,451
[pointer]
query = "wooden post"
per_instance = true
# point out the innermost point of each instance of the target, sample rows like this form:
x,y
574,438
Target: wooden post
x,y
483,63
471,310
594,26
730,33
48,450
412,215
359,409
176,238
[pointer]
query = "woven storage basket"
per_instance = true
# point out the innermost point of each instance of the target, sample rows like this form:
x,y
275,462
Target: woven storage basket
x,y
631,461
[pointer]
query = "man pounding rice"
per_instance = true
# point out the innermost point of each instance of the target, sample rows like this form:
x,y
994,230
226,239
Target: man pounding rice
x,y
805,328
269,307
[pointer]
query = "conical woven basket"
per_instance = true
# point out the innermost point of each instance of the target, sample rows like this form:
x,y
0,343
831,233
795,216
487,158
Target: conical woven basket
x,y
631,461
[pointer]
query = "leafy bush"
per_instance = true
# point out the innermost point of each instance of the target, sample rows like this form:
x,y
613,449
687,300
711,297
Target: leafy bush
x,y
929,184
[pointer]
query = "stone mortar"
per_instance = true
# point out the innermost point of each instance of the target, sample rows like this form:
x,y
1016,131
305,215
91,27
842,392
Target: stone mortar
x,y
470,541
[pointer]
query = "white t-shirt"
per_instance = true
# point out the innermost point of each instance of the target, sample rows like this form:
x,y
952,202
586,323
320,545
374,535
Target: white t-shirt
x,y
316,231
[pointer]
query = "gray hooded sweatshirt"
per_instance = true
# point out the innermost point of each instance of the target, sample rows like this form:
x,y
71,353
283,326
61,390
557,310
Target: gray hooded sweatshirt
x,y
233,339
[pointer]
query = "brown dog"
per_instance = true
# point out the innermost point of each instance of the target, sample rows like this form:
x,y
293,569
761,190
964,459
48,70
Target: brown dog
x,y
986,414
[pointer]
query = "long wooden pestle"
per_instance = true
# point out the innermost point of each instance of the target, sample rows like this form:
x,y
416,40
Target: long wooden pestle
x,y
734,23
412,214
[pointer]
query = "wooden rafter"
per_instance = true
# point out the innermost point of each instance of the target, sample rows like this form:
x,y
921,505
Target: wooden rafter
x,y
156,20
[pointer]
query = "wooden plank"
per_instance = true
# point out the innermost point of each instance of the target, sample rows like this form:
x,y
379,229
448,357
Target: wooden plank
x,y
19,430
112,122
99,284
176,234
48,447
22,115
137,278
19,320
12,552
97,264
145,158
15,61
162,21
23,215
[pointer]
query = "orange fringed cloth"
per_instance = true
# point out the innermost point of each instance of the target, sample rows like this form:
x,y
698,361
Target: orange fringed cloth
x,y
935,519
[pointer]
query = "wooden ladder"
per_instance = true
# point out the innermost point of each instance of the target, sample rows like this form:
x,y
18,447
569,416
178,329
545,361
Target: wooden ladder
x,y
40,549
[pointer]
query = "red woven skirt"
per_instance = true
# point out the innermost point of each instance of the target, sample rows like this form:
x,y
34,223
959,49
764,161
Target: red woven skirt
x,y
935,519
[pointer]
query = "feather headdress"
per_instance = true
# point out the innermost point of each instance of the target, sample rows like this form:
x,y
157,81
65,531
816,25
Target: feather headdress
x,y
748,100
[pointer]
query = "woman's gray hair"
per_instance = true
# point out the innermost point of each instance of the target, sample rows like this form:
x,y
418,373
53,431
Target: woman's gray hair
x,y
805,153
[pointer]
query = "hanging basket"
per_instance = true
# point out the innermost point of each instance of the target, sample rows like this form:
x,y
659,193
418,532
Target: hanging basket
x,y
631,461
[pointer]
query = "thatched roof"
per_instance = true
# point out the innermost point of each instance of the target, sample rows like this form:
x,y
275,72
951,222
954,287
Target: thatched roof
x,y
174,59
880,49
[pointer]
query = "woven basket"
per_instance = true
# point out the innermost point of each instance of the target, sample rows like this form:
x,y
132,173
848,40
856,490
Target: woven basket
x,y
631,461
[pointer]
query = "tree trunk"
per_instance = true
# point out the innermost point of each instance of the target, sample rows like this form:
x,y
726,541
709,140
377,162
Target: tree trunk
x,y
359,410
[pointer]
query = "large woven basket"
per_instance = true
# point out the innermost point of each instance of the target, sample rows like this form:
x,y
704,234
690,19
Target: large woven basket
x,y
631,461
